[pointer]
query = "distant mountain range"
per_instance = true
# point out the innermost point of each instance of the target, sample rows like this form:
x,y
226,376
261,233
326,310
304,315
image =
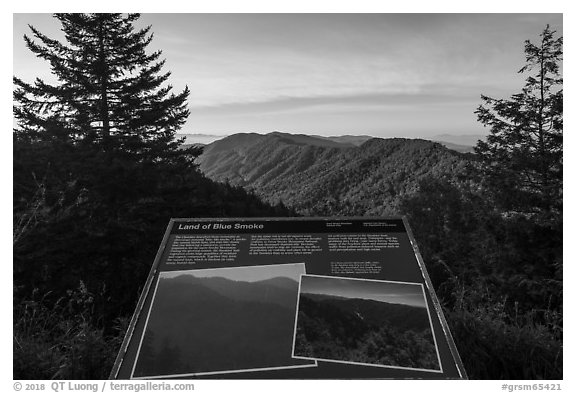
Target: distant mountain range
x,y
215,324
278,290
199,139
460,143
354,140
319,176
462,140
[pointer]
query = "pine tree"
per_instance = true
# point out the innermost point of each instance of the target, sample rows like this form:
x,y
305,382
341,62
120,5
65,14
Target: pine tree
x,y
110,93
522,156
95,159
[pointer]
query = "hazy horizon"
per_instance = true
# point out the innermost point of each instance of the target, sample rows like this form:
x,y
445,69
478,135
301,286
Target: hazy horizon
x,y
245,273
384,75
447,139
381,291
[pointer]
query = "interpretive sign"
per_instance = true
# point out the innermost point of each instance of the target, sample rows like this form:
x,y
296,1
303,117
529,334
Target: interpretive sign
x,y
288,298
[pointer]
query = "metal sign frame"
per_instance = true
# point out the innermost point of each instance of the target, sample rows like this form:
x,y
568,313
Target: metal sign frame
x,y
162,250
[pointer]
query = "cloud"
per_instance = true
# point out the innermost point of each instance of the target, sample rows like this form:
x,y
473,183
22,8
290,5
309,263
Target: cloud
x,y
330,71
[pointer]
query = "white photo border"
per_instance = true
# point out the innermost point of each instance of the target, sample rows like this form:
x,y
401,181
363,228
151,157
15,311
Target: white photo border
x,y
315,364
441,370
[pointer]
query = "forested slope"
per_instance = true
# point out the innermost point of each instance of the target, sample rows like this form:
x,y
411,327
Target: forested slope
x,y
322,180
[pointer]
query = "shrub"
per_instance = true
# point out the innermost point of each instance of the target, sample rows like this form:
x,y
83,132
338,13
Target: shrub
x,y
62,339
496,345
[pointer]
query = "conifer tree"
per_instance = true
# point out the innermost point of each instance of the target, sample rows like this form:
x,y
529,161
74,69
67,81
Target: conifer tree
x,y
522,156
110,94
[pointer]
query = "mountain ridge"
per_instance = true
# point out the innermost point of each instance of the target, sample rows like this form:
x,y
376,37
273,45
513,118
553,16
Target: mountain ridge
x,y
459,143
208,324
275,290
317,179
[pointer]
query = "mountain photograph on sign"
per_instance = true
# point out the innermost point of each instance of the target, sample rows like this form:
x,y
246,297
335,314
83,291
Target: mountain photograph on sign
x,y
220,321
364,322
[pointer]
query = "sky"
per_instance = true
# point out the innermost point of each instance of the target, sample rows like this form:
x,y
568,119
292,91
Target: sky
x,y
385,75
248,273
382,291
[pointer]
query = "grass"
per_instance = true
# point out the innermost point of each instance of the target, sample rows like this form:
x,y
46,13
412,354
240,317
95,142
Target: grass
x,y
55,341
495,343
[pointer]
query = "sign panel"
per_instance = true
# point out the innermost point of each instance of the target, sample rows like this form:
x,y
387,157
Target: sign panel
x,y
288,298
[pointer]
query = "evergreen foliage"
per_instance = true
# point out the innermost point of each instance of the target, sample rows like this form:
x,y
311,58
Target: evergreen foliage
x,y
328,329
110,94
522,156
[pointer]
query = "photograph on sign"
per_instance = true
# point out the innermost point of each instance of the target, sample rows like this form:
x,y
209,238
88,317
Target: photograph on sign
x,y
366,322
223,320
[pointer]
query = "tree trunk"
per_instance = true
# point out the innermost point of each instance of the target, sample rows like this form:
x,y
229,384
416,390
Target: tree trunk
x,y
104,115
546,200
